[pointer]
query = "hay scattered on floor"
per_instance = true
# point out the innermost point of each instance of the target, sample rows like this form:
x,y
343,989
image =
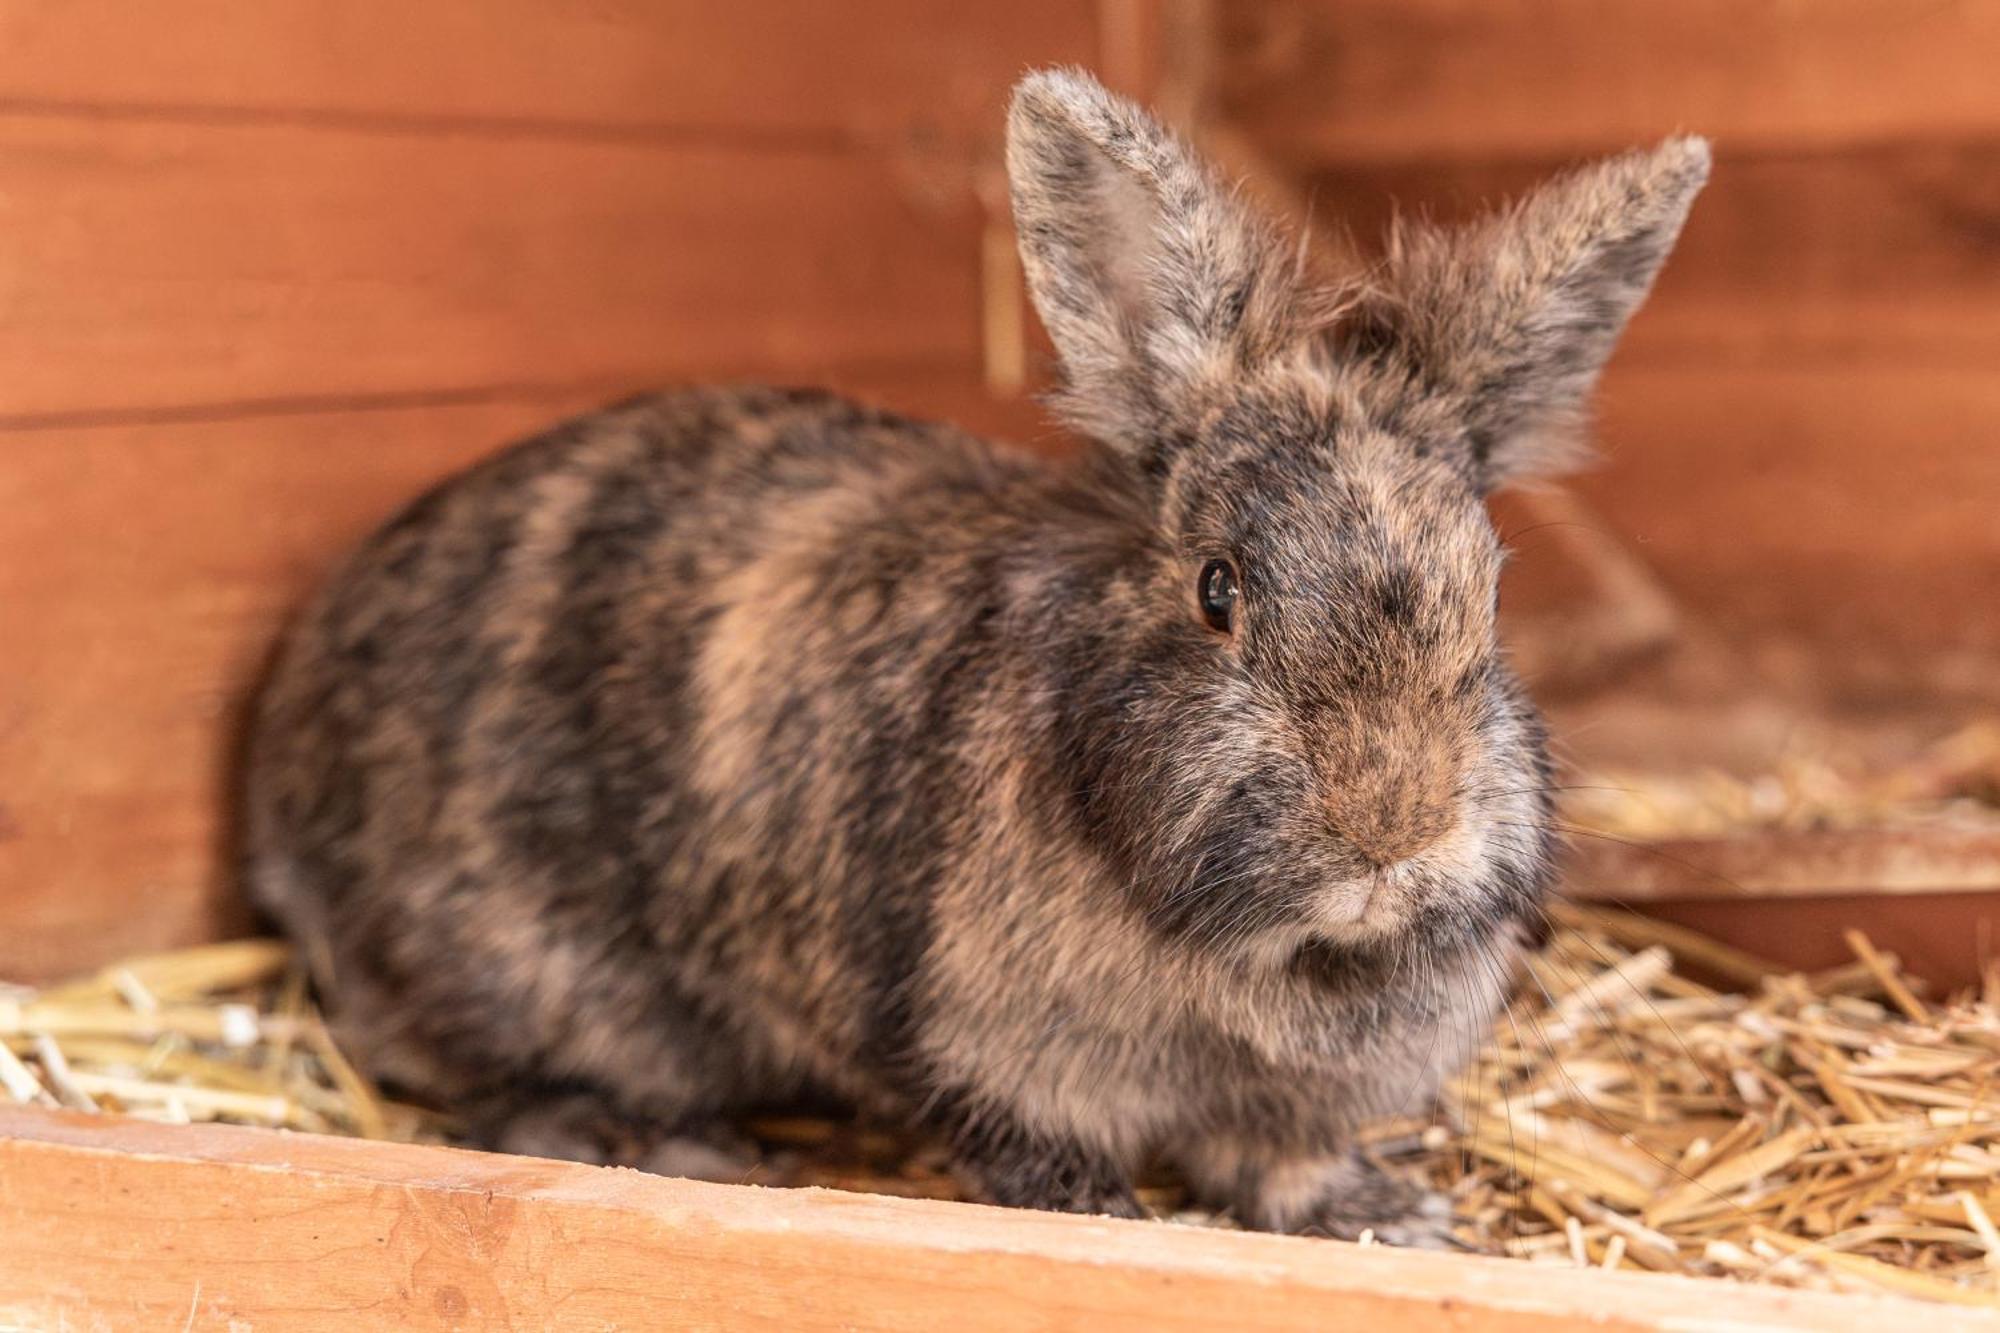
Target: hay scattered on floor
x,y
1956,782
1838,1130
222,1032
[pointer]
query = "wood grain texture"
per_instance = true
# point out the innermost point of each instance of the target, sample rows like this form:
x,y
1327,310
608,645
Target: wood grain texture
x,y
885,71
144,572
160,265
1473,80
1854,508
118,1224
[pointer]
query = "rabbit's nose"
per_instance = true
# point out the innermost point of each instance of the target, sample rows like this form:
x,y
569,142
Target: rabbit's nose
x,y
1398,842
1395,821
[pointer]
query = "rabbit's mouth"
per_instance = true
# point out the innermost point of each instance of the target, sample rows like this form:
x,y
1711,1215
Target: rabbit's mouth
x,y
1383,901
1363,909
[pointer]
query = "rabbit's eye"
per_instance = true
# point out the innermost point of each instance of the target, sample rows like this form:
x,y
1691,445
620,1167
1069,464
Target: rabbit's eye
x,y
1216,590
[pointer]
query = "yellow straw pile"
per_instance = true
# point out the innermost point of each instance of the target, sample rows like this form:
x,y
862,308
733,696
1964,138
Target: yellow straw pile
x,y
1835,1130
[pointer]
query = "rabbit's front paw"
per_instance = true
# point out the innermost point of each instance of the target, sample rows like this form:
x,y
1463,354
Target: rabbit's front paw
x,y
1349,1197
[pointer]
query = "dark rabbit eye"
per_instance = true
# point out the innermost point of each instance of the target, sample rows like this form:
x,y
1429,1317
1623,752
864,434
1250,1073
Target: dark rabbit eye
x,y
1217,592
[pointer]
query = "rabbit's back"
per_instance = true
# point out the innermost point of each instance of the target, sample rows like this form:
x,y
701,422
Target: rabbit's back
x,y
552,765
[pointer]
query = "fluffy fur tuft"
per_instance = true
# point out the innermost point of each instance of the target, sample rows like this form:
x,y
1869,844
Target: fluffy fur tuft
x,y
1495,333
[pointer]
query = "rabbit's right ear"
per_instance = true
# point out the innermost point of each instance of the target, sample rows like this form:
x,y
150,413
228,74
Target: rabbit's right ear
x,y
1500,328
1158,286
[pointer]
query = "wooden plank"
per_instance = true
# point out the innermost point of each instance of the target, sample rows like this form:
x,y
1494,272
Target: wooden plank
x,y
1789,864
144,570
208,1227
164,265
1331,80
884,70
1843,506
1873,254
1943,938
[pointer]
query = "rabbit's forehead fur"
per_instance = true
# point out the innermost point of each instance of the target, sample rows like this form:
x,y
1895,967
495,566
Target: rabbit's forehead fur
x,y
1362,561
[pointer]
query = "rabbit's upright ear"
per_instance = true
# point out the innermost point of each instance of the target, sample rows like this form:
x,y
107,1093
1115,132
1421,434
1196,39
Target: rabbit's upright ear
x,y
1496,332
1157,284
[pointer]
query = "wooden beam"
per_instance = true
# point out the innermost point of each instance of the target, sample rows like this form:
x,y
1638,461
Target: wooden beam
x,y
1325,80
1762,865
164,266
1938,937
878,71
124,1224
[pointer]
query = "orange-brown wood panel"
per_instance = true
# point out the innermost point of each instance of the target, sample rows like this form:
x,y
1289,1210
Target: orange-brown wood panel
x,y
121,1224
884,70
1944,938
1855,507
164,265
144,570
1319,80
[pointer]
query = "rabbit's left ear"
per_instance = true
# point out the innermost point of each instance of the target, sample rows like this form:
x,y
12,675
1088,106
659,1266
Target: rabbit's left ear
x,y
1156,283
1494,334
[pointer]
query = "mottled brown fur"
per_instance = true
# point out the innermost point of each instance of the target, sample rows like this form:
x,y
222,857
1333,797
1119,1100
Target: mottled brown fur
x,y
735,745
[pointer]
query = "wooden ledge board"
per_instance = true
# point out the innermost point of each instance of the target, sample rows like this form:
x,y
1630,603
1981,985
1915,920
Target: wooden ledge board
x,y
1783,864
123,1224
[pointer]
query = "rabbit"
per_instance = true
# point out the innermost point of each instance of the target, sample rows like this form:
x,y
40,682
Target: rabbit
x,y
1170,802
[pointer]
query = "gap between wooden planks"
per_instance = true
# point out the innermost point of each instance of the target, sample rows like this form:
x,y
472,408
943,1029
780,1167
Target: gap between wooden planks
x,y
126,1224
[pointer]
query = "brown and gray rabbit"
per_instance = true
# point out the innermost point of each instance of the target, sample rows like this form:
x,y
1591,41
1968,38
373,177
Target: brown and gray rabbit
x,y
1170,802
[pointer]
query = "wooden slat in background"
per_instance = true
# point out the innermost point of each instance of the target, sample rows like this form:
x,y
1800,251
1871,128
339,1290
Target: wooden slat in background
x,y
225,266
1476,80
883,72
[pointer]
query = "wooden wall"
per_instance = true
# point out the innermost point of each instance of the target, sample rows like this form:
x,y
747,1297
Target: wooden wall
x,y
267,267
1802,432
